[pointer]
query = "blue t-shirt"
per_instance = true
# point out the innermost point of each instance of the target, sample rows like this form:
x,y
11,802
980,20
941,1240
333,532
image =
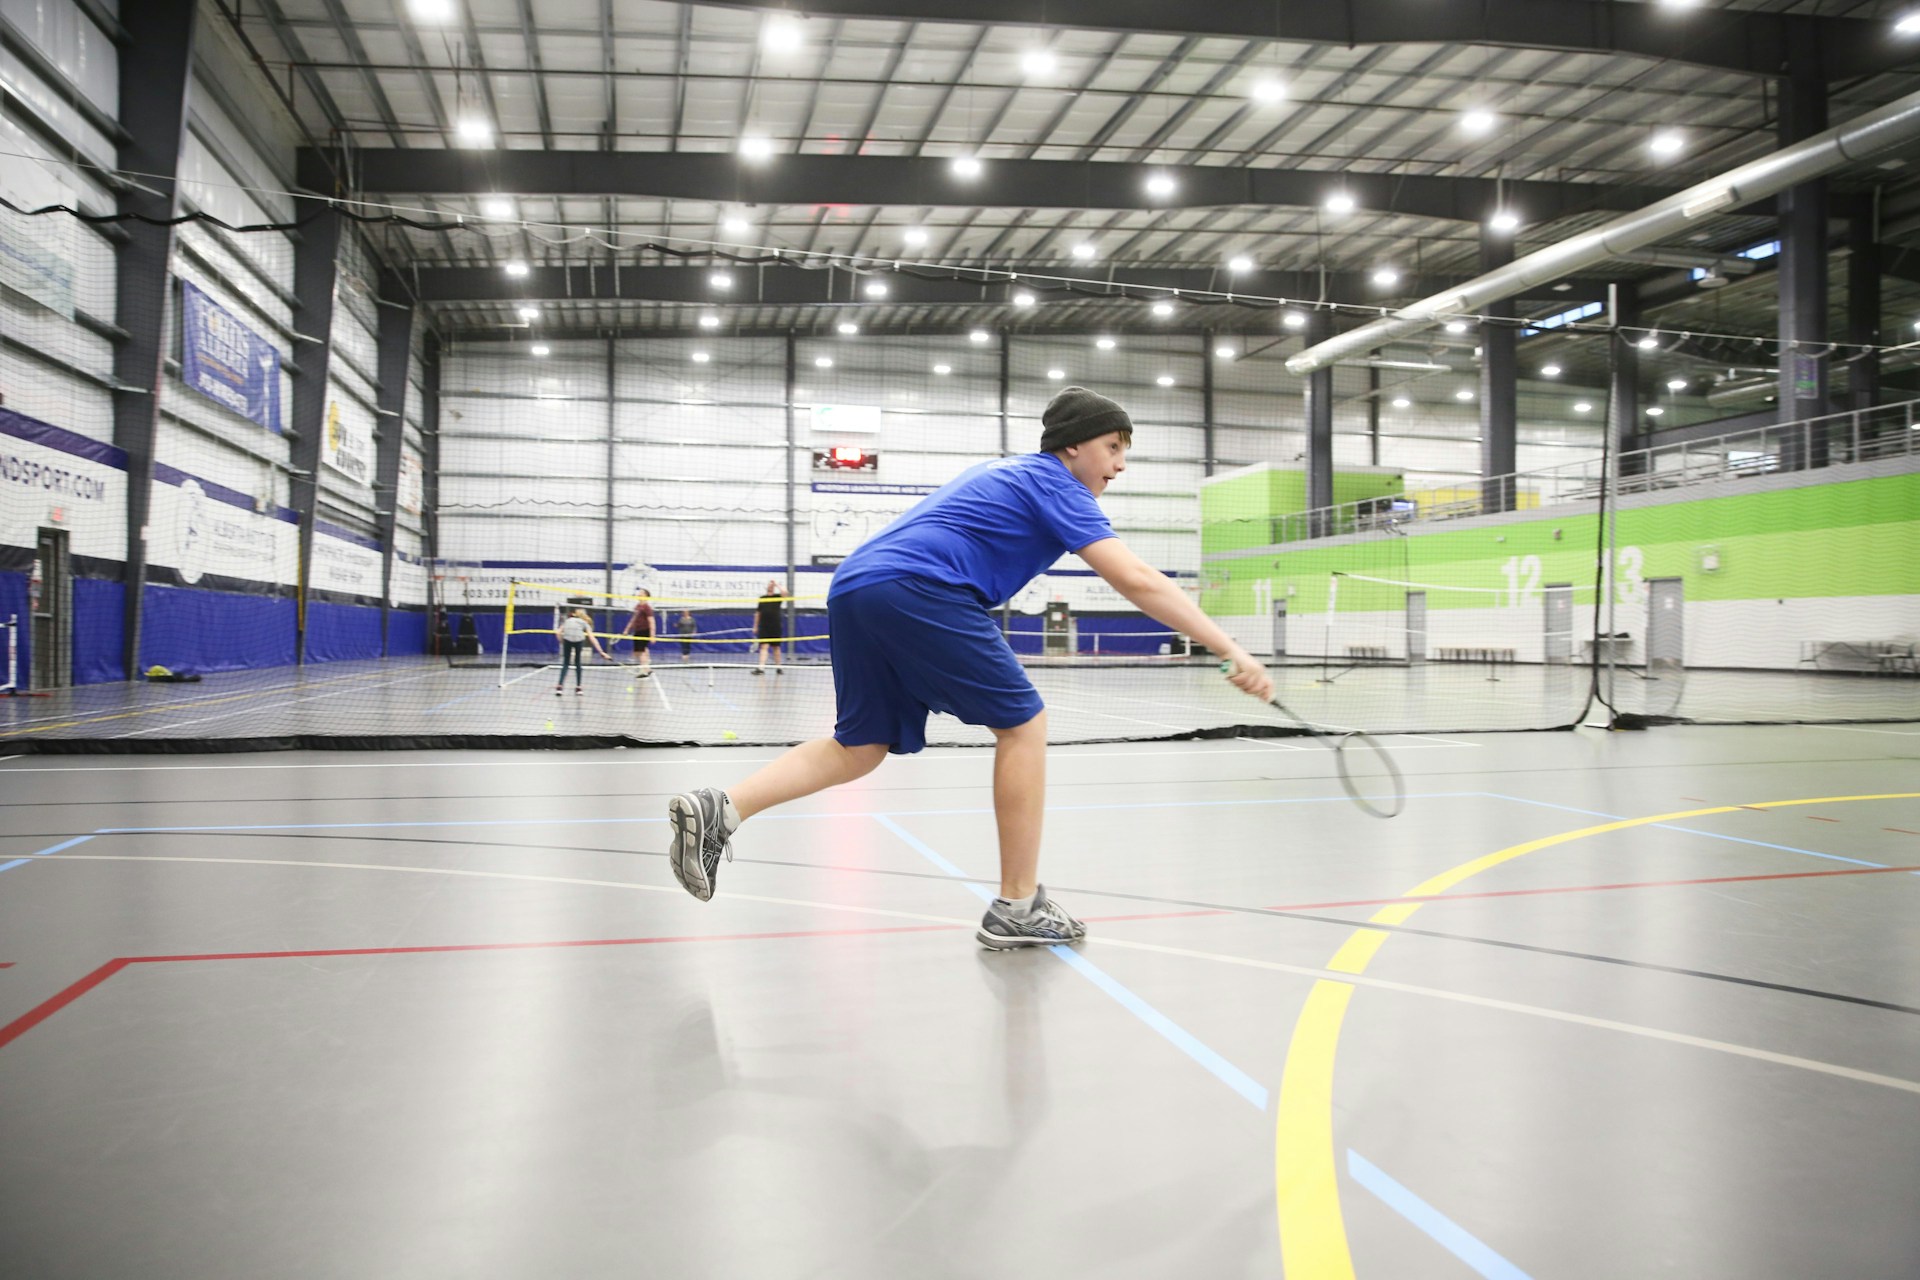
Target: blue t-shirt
x,y
992,529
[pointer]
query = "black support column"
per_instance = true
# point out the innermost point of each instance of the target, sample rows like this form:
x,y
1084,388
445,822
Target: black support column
x,y
1319,404
1803,263
1206,400
1863,303
1499,384
612,380
156,70
1623,377
396,344
315,267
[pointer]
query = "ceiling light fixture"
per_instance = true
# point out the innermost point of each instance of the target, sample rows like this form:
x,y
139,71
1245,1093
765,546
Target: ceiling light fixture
x,y
782,35
1386,277
517,268
431,10
1022,299
1656,412
1224,352
1648,343
1164,380
1909,25
943,369
496,207
1549,370
1105,344
1477,121
1162,184
1582,407
736,226
1294,320
541,349
720,280
1340,202
699,357
1163,309
756,147
1505,220
980,335
1240,263
529,313
965,167
876,289
1401,402
823,362
1666,143
474,130
1084,250
1456,326
709,321
914,236
1463,395
1267,90
1676,384
848,327
1054,375
1038,62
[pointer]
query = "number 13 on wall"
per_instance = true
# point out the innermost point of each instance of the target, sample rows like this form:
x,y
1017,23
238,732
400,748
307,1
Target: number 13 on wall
x,y
1624,575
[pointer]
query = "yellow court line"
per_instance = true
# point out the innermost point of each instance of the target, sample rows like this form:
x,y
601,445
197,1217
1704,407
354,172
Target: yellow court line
x,y
190,704
1313,1234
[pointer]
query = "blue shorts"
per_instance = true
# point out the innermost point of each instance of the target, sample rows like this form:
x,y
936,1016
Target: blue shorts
x,y
908,646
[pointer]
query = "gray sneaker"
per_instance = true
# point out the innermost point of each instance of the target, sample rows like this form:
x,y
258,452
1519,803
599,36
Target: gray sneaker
x,y
700,837
1045,926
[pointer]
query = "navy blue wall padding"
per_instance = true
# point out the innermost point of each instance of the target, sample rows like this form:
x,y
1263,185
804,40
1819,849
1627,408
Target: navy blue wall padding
x,y
338,632
406,632
99,626
1098,633
188,630
13,601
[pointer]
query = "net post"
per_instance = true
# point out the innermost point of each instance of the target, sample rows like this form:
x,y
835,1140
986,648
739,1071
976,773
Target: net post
x,y
13,655
506,634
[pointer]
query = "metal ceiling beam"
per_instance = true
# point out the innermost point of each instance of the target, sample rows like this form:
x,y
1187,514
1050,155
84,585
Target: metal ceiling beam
x,y
792,286
922,181
1729,39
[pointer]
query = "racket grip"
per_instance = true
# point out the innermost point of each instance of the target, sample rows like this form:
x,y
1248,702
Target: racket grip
x,y
1226,667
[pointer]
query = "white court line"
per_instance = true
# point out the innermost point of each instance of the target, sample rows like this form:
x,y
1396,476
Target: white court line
x,y
1061,751
184,698
660,687
270,706
1855,728
1303,971
1108,715
1276,744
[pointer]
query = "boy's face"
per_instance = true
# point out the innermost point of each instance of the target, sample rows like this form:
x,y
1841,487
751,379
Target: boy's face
x,y
1097,461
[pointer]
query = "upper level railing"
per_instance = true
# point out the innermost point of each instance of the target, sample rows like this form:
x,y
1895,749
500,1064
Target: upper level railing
x,y
1860,435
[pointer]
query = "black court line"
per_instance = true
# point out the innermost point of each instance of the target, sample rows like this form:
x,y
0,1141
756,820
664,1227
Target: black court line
x,y
1223,908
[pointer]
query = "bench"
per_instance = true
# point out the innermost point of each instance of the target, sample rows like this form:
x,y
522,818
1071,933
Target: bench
x,y
1364,652
1457,654
1888,657
1617,647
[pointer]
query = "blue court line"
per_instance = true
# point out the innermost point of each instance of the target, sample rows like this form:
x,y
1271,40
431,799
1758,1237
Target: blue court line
x,y
1228,1074
1695,831
1450,1235
21,862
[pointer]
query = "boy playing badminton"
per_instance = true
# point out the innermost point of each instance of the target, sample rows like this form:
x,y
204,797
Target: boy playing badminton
x,y
910,616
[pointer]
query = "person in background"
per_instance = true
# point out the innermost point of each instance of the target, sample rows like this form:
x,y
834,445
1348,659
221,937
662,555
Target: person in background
x,y
576,633
686,628
769,628
642,628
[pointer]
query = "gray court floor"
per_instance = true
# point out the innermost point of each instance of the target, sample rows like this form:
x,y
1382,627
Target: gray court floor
x,y
424,699
1597,1005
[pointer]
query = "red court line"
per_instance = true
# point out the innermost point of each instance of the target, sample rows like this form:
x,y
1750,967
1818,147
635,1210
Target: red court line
x,y
1901,831
47,1008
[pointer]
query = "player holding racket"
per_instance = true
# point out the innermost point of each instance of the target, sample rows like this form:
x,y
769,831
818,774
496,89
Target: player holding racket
x,y
909,613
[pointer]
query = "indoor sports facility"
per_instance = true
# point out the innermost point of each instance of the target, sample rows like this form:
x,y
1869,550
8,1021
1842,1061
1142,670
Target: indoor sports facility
x,y
430,431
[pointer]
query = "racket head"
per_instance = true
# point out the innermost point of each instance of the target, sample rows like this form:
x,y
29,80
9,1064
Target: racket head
x,y
1369,775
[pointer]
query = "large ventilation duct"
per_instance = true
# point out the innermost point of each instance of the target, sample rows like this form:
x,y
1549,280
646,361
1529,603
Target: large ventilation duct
x,y
1859,139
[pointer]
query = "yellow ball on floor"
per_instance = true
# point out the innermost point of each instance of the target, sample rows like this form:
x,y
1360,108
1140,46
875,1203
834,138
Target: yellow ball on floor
x,y
728,733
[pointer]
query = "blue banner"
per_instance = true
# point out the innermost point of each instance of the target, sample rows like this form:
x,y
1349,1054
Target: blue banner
x,y
224,360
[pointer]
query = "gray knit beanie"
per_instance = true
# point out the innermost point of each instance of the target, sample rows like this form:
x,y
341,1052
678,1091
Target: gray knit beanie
x,y
1077,415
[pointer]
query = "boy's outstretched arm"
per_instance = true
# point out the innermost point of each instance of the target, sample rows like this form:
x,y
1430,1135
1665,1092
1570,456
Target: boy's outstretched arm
x,y
1154,594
